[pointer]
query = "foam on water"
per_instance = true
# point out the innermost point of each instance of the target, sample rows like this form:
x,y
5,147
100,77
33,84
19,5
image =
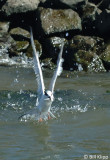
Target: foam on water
x,y
22,101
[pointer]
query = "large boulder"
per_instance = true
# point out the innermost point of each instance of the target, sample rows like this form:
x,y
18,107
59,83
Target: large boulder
x,y
83,54
86,54
14,6
56,21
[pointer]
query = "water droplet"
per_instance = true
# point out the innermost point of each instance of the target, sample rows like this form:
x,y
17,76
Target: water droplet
x,y
67,34
21,91
9,96
60,99
16,80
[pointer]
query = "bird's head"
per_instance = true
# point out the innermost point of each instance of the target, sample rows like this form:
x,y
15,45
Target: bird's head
x,y
49,95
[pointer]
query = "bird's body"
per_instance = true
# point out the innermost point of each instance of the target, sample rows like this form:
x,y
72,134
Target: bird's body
x,y
45,98
45,103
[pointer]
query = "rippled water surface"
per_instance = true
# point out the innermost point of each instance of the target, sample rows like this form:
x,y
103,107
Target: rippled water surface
x,y
82,108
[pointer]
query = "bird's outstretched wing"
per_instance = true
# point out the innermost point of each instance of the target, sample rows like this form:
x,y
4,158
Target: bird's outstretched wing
x,y
37,68
58,70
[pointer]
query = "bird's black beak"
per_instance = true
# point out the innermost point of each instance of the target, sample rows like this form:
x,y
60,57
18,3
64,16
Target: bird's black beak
x,y
47,95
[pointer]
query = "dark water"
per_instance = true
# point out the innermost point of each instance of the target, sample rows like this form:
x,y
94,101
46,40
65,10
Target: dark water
x,y
82,107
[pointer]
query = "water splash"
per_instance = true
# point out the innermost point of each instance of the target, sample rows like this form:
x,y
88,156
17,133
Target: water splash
x,y
69,101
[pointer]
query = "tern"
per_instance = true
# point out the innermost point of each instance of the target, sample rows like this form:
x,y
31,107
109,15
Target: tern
x,y
45,98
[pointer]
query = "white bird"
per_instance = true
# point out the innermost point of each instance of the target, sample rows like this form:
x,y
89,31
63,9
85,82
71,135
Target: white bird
x,y
45,97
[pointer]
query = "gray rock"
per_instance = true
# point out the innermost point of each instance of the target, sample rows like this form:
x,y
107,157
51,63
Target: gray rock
x,y
96,64
89,11
89,61
19,33
11,47
84,42
22,46
54,21
29,50
4,26
106,53
6,42
21,6
81,54
47,63
86,54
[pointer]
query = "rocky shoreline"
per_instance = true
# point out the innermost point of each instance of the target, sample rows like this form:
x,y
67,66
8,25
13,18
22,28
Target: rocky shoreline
x,y
83,25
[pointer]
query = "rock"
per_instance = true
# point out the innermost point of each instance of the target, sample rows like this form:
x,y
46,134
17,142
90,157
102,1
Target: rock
x,y
88,43
9,46
55,21
51,47
84,42
80,54
105,57
6,43
89,61
57,41
106,65
90,10
88,16
96,65
47,63
38,48
102,24
6,40
13,6
4,26
19,34
106,54
22,45
86,49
